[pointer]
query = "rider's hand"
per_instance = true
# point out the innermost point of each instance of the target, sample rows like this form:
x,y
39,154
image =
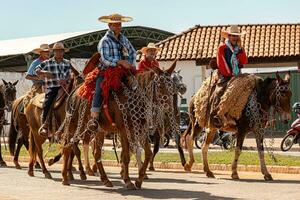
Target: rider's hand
x,y
124,64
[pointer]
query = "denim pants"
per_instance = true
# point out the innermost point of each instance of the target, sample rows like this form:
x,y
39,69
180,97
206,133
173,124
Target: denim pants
x,y
50,97
97,99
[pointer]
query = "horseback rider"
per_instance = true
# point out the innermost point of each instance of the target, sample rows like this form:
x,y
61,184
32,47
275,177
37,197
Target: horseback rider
x,y
148,60
115,51
231,57
56,72
44,52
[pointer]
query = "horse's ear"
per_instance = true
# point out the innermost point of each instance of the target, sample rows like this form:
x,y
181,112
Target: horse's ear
x,y
157,70
179,71
279,80
15,83
287,77
5,83
171,69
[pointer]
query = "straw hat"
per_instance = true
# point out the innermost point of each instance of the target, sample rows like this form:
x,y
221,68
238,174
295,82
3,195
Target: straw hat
x,y
43,47
150,46
59,46
114,18
232,30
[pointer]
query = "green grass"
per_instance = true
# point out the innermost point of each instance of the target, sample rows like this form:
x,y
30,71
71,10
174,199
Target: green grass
x,y
223,157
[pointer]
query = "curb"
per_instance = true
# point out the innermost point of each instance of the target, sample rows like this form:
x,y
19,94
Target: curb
x,y
198,167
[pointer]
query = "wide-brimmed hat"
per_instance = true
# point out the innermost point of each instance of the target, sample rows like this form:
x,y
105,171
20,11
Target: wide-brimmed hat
x,y
114,18
59,46
232,30
150,46
43,47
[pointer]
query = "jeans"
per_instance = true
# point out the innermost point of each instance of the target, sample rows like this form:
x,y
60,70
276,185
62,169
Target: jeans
x,y
97,99
50,97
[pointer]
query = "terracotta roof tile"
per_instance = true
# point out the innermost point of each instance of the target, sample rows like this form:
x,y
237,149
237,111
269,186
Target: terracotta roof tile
x,y
262,41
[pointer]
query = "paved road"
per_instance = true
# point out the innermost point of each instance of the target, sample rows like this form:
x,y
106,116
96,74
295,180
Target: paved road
x,y
15,184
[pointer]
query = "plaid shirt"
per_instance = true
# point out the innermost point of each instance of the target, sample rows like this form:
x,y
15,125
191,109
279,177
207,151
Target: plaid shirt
x,y
60,71
113,50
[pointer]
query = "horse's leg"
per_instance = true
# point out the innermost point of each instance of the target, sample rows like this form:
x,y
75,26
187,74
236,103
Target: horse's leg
x,y
32,153
260,148
97,147
238,150
66,151
125,158
54,160
78,156
17,152
180,150
139,161
209,138
69,166
39,149
156,138
142,171
88,169
2,162
190,148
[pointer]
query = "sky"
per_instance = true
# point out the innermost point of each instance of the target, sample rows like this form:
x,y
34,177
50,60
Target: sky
x,y
27,18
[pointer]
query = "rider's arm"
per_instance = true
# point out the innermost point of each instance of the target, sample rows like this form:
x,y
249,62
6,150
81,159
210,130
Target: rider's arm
x,y
31,75
242,57
106,58
221,62
132,53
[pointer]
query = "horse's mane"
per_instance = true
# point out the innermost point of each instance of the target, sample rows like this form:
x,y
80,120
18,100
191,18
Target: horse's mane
x,y
144,78
263,88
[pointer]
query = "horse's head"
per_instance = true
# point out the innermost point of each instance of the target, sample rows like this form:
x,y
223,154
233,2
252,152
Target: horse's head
x,y
9,92
179,85
280,96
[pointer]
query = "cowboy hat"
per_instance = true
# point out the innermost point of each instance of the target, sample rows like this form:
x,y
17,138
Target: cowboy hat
x,y
43,47
114,18
150,46
232,30
59,46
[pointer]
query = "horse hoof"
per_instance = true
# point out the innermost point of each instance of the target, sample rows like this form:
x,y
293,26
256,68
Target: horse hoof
x,y
268,177
138,184
235,176
130,186
151,168
146,177
95,168
71,177
48,175
83,176
210,175
187,168
51,162
107,183
37,166
3,164
30,173
18,166
66,183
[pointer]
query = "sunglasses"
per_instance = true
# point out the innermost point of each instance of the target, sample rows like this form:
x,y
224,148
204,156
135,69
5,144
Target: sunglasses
x,y
233,35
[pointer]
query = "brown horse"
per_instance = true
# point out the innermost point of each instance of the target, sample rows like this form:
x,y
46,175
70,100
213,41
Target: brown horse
x,y
19,129
80,117
33,116
270,92
7,96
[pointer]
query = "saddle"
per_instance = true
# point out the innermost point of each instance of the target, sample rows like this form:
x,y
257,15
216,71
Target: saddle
x,y
39,99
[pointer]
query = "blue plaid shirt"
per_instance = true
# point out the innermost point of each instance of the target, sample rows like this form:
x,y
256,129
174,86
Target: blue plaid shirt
x,y
113,50
60,71
32,67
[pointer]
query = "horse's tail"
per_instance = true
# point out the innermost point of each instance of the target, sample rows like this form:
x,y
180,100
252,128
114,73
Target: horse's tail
x,y
12,135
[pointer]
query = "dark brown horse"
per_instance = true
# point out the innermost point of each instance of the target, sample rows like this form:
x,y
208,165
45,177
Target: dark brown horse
x,y
270,92
82,116
7,96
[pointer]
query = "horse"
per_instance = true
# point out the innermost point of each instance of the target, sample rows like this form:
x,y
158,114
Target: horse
x,y
268,93
19,129
128,110
33,116
7,96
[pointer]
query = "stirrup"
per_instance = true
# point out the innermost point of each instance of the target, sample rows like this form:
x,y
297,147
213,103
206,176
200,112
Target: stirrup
x,y
43,131
93,125
217,122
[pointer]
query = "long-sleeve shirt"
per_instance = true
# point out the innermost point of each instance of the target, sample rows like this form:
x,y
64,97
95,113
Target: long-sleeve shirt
x,y
145,65
112,50
32,67
60,71
224,57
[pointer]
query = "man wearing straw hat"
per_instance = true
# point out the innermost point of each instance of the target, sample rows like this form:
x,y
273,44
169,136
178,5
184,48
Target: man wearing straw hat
x,y
231,57
43,52
148,60
115,51
56,72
